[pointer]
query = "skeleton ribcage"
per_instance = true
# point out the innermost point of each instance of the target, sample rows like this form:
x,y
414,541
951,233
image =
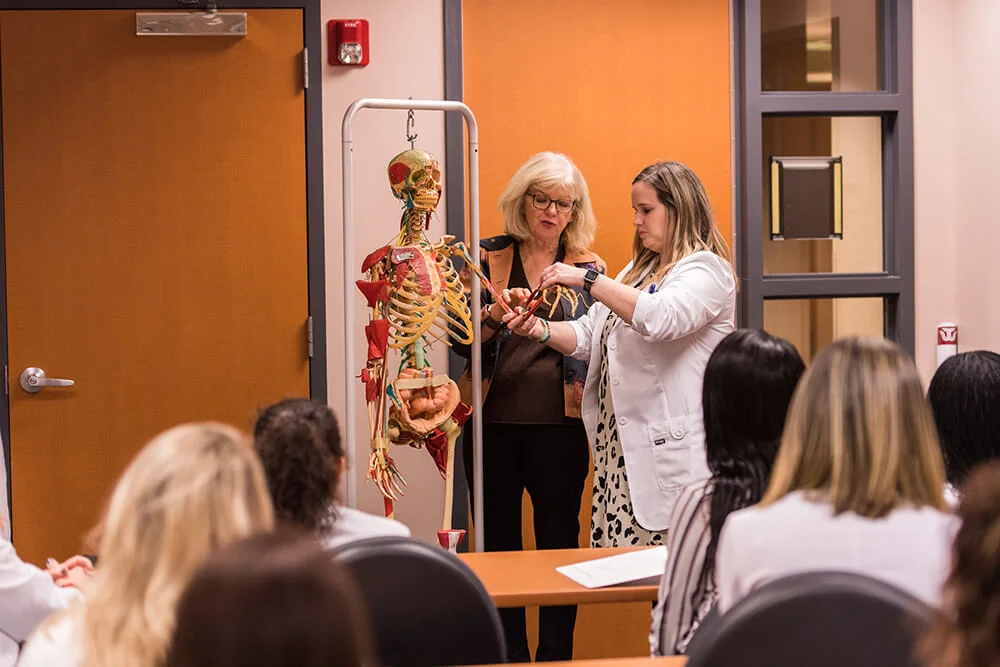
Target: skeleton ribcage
x,y
415,307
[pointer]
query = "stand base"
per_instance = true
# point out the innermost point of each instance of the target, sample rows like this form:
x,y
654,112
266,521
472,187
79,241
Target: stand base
x,y
450,539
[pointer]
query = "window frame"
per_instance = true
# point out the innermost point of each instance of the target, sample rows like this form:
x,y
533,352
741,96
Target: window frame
x,y
894,105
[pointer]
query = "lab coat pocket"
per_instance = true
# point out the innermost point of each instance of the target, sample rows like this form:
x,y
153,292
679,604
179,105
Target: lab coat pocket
x,y
671,455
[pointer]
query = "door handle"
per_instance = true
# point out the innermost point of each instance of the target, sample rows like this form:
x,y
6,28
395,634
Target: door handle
x,y
33,380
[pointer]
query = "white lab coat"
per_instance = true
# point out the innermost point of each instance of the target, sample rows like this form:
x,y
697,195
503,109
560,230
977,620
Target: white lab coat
x,y
27,596
656,368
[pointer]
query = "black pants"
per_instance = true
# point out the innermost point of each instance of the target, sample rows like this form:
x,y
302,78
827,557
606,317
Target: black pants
x,y
551,462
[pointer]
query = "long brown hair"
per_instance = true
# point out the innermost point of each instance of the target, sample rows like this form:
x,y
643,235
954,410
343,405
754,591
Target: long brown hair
x,y
860,431
682,192
967,631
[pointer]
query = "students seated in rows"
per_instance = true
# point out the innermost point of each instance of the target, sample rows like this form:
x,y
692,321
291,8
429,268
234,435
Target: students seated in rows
x,y
191,490
964,395
273,600
299,444
965,633
858,485
748,385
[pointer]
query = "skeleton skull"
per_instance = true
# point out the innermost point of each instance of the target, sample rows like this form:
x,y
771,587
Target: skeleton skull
x,y
415,177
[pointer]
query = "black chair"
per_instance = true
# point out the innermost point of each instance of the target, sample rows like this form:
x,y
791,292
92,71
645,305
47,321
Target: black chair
x,y
427,607
816,619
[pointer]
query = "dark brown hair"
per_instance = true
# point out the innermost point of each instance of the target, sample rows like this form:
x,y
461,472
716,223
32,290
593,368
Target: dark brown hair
x,y
298,442
967,631
271,600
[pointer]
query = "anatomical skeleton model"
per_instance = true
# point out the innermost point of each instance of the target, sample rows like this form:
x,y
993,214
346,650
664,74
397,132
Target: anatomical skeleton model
x,y
416,298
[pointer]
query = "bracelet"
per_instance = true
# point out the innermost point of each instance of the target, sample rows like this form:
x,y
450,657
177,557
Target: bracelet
x,y
492,323
548,332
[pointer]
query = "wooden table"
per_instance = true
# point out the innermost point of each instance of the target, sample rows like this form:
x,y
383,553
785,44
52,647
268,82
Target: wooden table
x,y
526,578
668,661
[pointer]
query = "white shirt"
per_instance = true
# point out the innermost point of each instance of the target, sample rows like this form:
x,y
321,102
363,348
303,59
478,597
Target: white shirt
x,y
351,525
27,596
910,548
656,366
54,645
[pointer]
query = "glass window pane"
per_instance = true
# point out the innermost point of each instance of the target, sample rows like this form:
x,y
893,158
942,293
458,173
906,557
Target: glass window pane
x,y
857,141
818,45
812,324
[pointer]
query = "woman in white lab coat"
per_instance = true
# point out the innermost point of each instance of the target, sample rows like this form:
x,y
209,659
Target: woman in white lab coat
x,y
647,338
28,595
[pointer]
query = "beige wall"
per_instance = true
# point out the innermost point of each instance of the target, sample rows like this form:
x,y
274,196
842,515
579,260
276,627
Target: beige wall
x,y
956,63
407,56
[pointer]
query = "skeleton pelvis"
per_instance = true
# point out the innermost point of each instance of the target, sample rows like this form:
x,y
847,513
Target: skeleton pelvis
x,y
427,401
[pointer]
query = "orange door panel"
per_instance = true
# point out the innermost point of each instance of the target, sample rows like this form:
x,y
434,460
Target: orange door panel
x,y
154,206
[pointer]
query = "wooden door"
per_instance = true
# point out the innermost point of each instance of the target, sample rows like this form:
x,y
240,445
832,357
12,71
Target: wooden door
x,y
154,207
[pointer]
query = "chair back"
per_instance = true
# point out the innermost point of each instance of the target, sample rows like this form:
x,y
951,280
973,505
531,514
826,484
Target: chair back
x,y
819,619
427,607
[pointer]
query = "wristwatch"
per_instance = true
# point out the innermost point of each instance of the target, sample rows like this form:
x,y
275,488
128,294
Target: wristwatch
x,y
588,280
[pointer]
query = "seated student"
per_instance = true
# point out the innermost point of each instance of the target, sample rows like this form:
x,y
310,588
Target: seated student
x,y
298,442
30,594
858,485
965,632
748,384
191,490
283,582
964,395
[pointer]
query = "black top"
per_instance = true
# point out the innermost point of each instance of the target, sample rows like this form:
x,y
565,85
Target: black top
x,y
527,385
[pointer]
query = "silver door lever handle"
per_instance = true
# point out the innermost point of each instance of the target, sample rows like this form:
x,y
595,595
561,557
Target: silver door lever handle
x,y
33,380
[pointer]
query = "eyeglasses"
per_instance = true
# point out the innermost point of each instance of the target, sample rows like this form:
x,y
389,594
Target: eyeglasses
x,y
541,202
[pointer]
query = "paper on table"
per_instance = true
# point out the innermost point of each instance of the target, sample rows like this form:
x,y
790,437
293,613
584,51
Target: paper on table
x,y
636,567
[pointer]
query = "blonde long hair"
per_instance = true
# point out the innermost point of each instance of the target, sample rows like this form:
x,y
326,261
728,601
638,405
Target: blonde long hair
x,y
549,170
191,489
682,192
860,432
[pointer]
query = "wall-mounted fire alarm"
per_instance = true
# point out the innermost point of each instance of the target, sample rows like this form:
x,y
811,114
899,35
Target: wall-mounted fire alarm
x,y
348,41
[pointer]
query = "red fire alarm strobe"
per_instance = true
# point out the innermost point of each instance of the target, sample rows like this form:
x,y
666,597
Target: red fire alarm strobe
x,y
348,41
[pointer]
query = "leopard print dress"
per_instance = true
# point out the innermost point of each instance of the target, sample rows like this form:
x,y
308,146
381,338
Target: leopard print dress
x,y
612,523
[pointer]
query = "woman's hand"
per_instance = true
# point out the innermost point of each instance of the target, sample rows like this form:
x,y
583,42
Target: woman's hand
x,y
74,571
562,274
528,326
512,297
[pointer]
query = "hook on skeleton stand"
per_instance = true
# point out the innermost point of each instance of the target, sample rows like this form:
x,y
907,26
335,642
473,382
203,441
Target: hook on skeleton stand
x,y
411,136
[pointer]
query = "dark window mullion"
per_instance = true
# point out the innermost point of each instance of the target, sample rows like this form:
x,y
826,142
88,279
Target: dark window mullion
x,y
823,286
829,104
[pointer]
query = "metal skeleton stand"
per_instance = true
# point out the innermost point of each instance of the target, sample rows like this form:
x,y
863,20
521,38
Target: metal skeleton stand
x,y
350,382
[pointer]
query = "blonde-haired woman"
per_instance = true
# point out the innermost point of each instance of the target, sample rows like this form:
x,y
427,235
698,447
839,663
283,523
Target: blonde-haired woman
x,y
858,485
533,438
648,339
190,490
